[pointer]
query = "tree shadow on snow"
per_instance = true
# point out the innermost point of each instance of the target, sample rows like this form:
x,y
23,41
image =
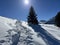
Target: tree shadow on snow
x,y
46,36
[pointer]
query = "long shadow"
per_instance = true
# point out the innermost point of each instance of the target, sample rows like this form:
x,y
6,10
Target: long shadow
x,y
46,36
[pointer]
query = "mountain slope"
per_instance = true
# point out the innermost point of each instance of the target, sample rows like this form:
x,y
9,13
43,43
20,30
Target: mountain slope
x,y
14,32
51,21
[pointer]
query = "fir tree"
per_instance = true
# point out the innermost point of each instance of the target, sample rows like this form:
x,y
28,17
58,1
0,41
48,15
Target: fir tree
x,y
57,19
32,19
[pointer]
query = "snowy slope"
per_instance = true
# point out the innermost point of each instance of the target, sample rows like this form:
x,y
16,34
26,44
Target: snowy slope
x,y
14,32
5,25
52,29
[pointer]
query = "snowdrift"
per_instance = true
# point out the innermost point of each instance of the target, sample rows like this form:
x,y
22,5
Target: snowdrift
x,y
14,32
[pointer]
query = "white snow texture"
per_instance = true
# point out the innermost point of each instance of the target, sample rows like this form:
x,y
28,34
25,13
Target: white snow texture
x,y
14,32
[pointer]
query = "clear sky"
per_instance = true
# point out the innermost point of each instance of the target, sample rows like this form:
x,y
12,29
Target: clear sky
x,y
45,9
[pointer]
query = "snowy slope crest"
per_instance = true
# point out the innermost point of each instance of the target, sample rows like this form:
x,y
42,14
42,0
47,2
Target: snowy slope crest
x,y
14,32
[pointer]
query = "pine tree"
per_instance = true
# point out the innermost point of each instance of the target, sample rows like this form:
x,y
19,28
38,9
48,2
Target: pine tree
x,y
32,19
57,19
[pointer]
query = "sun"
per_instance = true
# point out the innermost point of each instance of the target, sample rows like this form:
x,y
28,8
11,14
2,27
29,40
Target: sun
x,y
26,2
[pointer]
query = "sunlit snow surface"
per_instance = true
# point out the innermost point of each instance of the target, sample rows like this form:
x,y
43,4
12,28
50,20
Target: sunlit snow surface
x,y
14,32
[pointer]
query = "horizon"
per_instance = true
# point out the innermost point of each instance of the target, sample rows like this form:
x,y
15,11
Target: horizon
x,y
17,9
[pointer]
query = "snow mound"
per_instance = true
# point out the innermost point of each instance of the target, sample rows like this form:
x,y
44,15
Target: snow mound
x,y
14,32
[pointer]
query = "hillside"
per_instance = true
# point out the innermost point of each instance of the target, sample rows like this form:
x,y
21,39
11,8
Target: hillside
x,y
51,21
14,32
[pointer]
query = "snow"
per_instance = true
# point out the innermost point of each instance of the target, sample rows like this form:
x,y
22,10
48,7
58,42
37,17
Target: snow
x,y
14,32
53,30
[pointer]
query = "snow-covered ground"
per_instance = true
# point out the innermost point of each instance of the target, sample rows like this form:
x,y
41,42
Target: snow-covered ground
x,y
14,32
52,29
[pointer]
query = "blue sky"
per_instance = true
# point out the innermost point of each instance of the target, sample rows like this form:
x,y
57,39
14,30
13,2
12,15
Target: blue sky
x,y
45,9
